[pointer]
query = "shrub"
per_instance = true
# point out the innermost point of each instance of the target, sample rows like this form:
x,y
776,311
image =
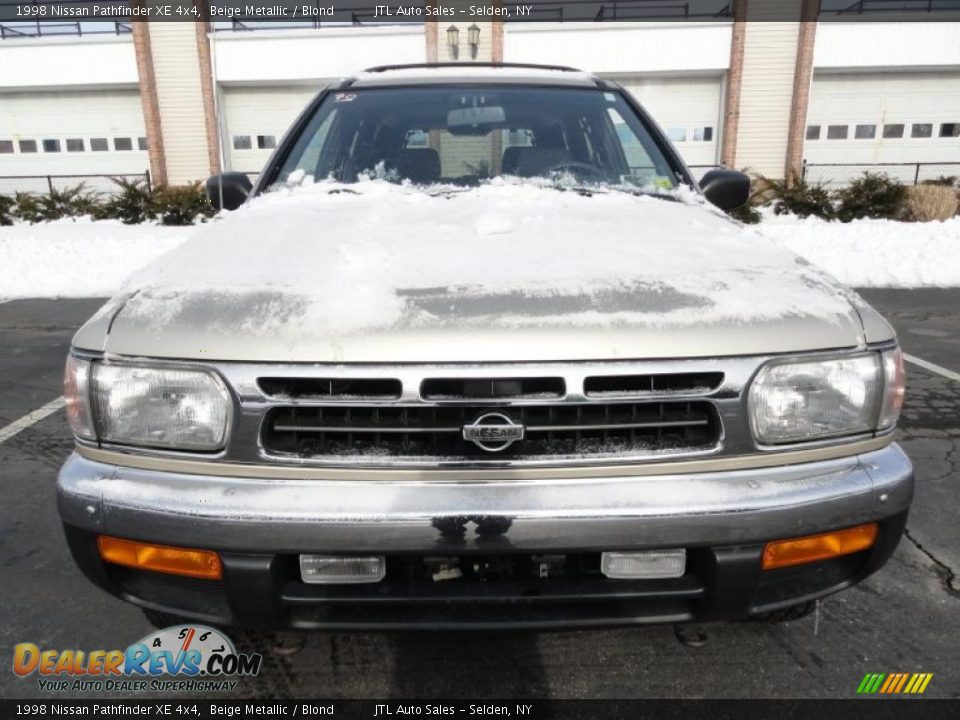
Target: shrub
x,y
931,202
746,213
7,205
133,203
68,202
182,204
800,198
945,180
871,196
27,207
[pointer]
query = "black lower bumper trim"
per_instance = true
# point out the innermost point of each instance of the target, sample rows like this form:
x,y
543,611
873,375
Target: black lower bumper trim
x,y
264,591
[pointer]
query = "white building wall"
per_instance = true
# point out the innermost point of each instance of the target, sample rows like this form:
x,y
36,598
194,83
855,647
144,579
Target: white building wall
x,y
177,71
68,62
662,47
878,45
310,56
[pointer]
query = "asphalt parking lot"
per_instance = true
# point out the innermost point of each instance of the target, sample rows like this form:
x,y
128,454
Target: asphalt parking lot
x,y
904,619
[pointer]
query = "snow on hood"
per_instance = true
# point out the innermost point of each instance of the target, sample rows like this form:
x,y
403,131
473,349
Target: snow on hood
x,y
510,270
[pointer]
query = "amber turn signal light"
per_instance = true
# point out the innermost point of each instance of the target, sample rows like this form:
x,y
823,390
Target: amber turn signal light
x,y
160,558
811,548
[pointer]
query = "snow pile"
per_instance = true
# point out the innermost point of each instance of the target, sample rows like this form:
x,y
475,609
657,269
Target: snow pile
x,y
874,253
328,259
78,258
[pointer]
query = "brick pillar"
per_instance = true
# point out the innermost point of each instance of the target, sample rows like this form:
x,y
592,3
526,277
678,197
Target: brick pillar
x,y
431,33
802,80
496,40
496,56
731,102
203,27
148,99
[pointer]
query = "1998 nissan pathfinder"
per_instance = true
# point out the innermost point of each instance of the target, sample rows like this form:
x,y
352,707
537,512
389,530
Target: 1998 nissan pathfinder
x,y
480,352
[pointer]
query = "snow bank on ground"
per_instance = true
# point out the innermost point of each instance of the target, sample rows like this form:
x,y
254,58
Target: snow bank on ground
x,y
873,253
78,258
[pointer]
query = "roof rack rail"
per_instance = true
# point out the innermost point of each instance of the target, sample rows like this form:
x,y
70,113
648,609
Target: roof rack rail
x,y
529,66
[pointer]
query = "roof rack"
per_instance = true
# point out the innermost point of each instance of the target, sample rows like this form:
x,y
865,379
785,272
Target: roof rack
x,y
529,66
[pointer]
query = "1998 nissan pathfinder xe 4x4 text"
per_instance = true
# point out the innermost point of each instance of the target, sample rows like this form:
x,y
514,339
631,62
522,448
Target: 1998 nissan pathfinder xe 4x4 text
x,y
480,352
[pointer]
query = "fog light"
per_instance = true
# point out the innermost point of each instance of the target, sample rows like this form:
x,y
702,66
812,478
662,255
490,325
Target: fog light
x,y
335,570
160,558
812,548
644,564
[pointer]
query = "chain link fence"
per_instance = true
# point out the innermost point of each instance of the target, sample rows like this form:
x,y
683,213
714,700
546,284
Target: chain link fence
x,y
42,184
840,174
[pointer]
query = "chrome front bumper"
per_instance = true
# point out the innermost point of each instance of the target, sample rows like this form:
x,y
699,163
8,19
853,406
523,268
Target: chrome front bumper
x,y
307,515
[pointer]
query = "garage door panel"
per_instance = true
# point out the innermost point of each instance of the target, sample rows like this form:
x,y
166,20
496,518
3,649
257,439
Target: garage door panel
x,y
88,119
256,118
879,100
688,110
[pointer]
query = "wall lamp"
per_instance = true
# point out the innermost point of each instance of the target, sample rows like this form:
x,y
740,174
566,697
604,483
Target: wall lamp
x,y
473,40
453,41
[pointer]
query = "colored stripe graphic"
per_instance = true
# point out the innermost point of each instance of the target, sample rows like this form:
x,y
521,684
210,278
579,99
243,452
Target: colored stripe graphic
x,y
894,683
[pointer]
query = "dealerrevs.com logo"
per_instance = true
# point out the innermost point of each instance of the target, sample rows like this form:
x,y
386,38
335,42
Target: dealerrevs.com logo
x,y
198,657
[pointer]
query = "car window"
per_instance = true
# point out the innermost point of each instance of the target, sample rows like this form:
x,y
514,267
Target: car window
x,y
641,165
465,135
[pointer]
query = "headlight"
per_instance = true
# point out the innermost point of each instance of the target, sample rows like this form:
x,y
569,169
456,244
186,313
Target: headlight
x,y
800,400
159,407
76,392
895,385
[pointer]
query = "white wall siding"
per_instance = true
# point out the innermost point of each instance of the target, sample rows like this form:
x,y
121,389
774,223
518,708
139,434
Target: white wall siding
x,y
622,47
312,55
873,45
65,63
177,69
770,56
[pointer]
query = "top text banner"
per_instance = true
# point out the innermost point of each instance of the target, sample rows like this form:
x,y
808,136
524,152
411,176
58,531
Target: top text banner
x,y
16,16
360,12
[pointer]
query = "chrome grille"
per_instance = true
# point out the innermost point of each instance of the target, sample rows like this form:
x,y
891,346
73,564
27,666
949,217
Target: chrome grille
x,y
307,388
435,432
607,386
492,388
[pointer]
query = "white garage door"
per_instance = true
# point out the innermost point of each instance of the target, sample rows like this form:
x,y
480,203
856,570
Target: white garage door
x,y
688,110
256,119
70,133
885,118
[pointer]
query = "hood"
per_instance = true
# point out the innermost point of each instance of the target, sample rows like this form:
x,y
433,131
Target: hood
x,y
509,272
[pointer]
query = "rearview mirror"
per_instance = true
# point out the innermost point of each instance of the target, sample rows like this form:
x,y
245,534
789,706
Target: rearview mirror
x,y
727,189
229,190
475,120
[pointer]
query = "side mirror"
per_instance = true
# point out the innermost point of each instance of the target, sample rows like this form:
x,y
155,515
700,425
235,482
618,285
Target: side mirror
x,y
727,189
229,190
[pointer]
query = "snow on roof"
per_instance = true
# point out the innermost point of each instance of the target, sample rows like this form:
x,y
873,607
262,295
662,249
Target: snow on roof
x,y
465,72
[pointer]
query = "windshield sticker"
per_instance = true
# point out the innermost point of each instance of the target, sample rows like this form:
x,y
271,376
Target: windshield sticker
x,y
345,97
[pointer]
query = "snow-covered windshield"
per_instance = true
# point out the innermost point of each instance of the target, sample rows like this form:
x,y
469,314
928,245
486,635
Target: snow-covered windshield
x,y
467,135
